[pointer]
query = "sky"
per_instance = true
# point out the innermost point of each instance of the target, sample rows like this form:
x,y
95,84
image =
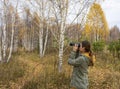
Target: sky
x,y
111,9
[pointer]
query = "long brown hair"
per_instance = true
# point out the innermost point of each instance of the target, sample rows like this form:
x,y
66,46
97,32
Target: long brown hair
x,y
87,46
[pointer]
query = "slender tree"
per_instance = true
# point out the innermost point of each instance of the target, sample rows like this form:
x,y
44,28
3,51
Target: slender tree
x,y
62,8
41,8
13,12
4,37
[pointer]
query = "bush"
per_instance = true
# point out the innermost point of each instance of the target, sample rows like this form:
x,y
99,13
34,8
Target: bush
x,y
98,46
114,48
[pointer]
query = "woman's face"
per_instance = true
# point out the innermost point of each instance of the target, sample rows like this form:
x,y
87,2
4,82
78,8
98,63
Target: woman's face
x,y
82,49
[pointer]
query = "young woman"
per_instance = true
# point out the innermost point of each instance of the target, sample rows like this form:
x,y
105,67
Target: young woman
x,y
79,78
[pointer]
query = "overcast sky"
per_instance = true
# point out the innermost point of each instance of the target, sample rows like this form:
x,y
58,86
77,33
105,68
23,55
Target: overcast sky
x,y
111,9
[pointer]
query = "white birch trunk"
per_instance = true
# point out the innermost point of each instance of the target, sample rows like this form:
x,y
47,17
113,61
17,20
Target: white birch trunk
x,y
32,39
12,36
63,10
41,41
63,13
24,40
41,12
0,45
4,42
41,8
61,45
32,44
45,43
46,37
0,52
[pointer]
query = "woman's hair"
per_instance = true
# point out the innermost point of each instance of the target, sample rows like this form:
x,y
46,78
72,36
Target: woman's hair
x,y
87,46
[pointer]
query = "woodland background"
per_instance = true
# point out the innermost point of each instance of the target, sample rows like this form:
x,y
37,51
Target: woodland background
x,y
35,37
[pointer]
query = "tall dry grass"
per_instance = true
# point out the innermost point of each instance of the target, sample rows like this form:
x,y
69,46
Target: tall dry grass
x,y
28,71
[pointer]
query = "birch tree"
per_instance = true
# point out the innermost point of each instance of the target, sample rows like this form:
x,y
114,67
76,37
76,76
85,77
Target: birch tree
x,y
7,30
16,31
4,45
4,31
0,36
61,6
40,7
0,41
13,13
27,30
96,26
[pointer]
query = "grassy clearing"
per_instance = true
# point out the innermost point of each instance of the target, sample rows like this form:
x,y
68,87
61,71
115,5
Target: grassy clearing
x,y
10,73
28,71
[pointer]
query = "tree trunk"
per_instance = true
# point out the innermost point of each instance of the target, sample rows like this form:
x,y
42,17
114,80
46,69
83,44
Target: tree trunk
x,y
4,43
61,45
15,43
12,36
41,41
0,45
63,14
46,40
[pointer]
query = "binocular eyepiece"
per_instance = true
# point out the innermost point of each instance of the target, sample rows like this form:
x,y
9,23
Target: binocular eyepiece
x,y
73,44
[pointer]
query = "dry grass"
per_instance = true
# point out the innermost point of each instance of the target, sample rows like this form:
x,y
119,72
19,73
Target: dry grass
x,y
28,71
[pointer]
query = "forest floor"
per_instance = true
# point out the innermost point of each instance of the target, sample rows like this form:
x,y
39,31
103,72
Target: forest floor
x,y
28,71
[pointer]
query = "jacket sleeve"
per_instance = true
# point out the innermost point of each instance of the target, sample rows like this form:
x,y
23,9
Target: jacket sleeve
x,y
72,60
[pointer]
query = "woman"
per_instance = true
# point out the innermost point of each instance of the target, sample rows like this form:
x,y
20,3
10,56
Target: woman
x,y
79,79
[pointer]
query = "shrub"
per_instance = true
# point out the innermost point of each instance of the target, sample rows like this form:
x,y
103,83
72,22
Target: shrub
x,y
98,46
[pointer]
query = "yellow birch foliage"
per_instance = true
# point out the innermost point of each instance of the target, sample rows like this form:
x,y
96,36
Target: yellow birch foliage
x,y
96,24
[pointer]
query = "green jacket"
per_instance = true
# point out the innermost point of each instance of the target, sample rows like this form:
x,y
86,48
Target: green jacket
x,y
79,78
